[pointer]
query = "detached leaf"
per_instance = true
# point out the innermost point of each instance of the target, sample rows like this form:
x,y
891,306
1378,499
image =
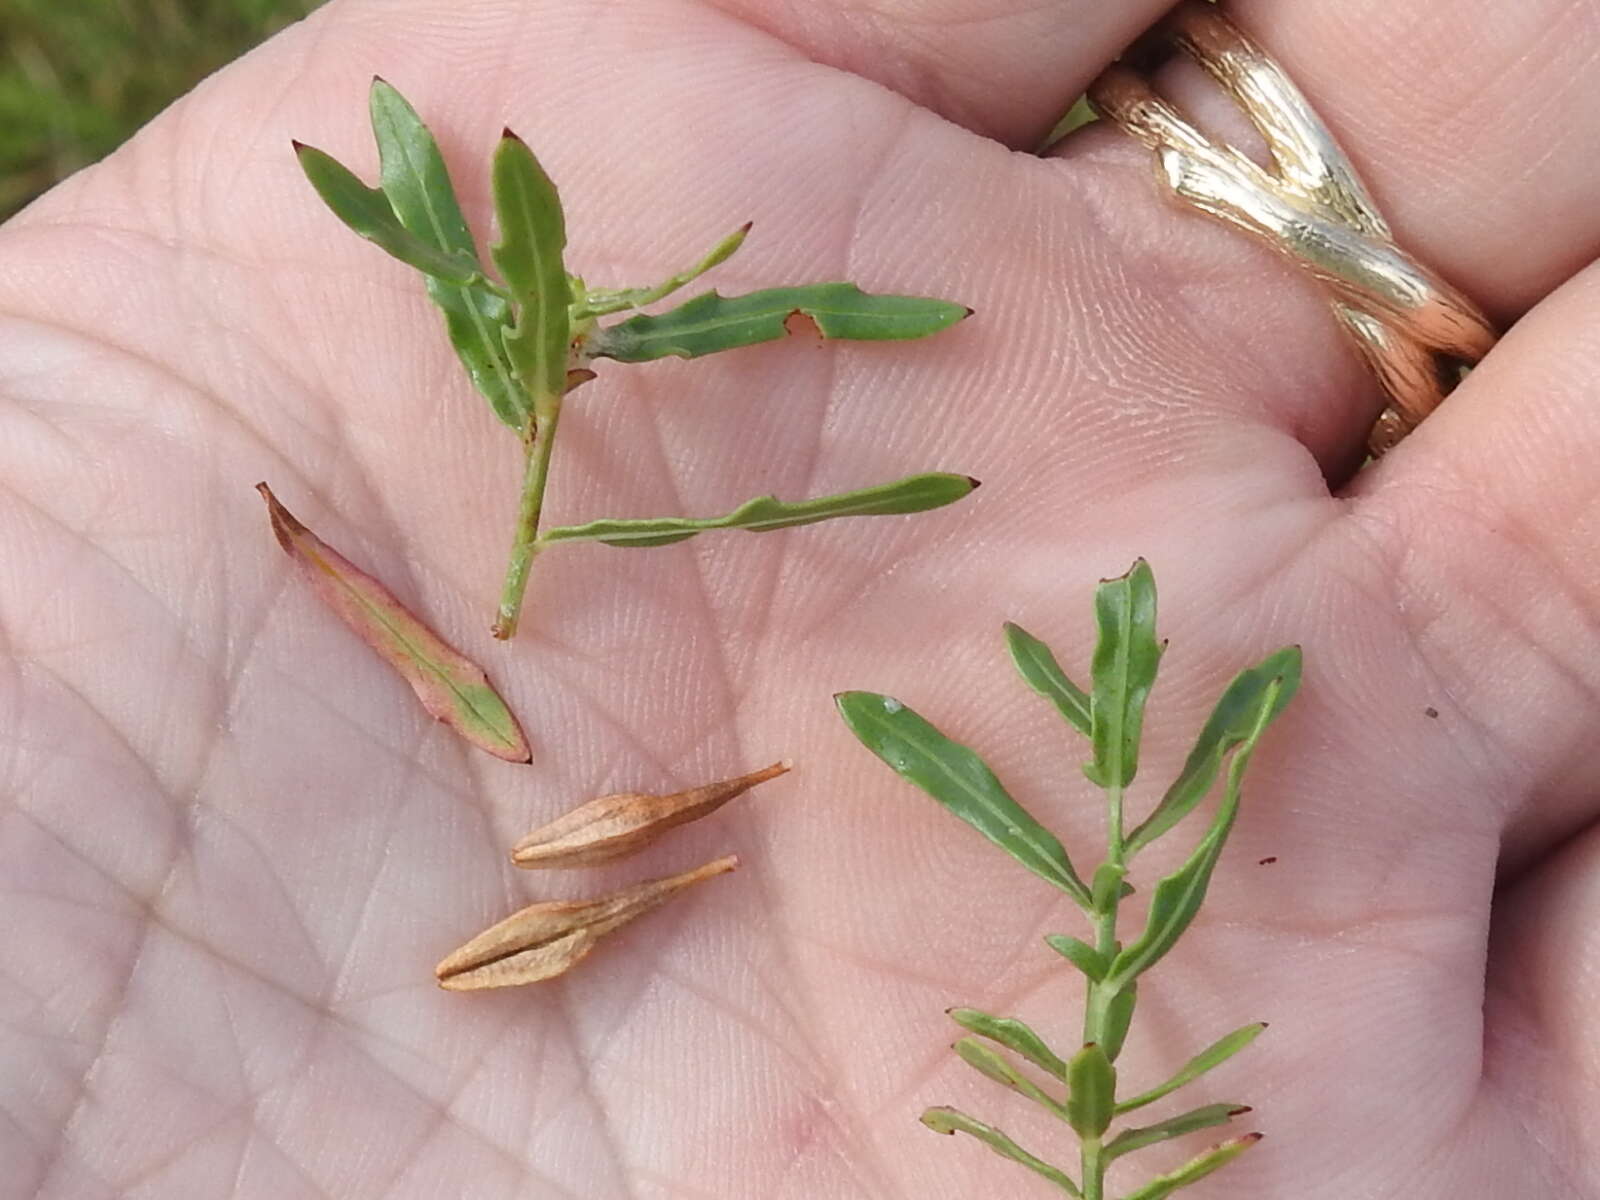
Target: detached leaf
x,y
712,322
951,1121
547,939
1208,1117
915,493
420,192
451,687
1235,715
366,210
961,781
1195,1169
1213,1055
989,1062
1091,1091
599,303
1177,897
1040,670
533,233
1125,660
1013,1035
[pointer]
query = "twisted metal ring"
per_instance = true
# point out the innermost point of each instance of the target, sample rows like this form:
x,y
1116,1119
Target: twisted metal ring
x,y
1414,330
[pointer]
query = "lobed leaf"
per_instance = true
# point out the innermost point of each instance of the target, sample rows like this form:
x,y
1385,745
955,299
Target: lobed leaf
x,y
599,303
1126,656
712,322
1040,670
989,1062
419,190
1213,1055
533,233
451,686
1195,1169
1206,1117
915,493
1235,715
1091,1091
367,211
1177,897
958,779
951,1121
1013,1034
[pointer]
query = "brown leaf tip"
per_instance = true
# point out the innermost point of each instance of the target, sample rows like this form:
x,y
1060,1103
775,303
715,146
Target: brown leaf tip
x,y
506,135
284,526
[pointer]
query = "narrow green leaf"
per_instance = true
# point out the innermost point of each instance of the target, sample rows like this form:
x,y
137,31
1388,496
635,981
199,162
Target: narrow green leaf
x,y
1013,1034
366,210
1085,957
915,493
1195,1169
1213,1055
712,322
950,1121
420,192
1230,723
599,303
961,781
1041,672
1080,114
1091,1091
451,687
1119,1016
1207,1117
533,233
989,1062
1126,656
1177,897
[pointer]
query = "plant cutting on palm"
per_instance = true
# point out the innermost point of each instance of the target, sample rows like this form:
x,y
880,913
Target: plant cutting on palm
x,y
1081,1087
530,337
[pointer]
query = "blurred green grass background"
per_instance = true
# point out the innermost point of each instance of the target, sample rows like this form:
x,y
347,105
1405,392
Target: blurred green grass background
x,y
77,77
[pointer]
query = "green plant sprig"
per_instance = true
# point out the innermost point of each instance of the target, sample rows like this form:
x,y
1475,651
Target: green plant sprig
x,y
529,338
1080,1088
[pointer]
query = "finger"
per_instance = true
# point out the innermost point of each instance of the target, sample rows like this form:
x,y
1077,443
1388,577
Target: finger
x,y
1480,137
1006,70
1492,512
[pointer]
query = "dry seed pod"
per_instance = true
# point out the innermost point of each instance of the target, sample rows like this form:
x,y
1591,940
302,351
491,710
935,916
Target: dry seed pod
x,y
623,824
547,939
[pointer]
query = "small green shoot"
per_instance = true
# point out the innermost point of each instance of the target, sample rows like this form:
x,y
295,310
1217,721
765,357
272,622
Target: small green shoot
x,y
1080,1086
527,338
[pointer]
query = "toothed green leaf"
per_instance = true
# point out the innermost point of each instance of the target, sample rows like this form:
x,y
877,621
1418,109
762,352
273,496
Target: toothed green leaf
x,y
916,493
712,322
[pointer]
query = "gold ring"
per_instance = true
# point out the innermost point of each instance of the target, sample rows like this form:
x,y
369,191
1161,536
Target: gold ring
x,y
1415,331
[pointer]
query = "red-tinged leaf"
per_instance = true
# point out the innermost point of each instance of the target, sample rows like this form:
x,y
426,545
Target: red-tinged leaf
x,y
451,686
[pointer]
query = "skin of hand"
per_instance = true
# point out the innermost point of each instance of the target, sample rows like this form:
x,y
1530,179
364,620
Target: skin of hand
x,y
232,846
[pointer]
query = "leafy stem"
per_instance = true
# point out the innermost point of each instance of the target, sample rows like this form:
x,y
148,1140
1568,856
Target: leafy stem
x,y
1111,715
528,338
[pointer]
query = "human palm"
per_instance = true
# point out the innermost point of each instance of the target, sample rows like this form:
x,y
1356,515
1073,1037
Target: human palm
x,y
232,846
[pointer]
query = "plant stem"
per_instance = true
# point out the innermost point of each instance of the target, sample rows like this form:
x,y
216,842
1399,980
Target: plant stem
x,y
1098,999
524,544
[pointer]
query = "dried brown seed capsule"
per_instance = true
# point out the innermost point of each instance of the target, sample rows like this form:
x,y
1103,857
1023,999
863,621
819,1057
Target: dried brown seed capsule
x,y
623,824
547,939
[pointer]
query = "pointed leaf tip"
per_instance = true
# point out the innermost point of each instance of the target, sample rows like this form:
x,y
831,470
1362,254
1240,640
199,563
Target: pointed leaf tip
x,y
452,688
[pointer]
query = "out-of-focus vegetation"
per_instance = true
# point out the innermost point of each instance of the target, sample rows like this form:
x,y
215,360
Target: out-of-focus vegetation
x,y
78,76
